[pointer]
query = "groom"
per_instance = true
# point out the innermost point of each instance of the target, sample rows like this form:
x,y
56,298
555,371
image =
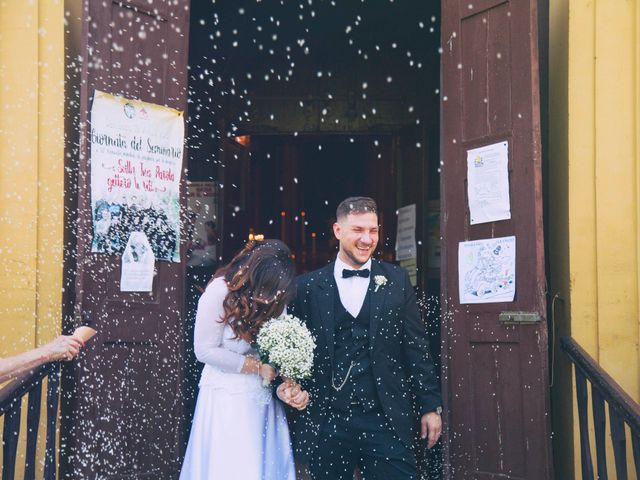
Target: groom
x,y
372,362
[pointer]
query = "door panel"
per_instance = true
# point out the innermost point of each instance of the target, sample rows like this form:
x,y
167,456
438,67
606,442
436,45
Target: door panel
x,y
495,375
126,405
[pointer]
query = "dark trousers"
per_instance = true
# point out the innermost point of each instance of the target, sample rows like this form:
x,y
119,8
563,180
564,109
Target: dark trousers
x,y
365,439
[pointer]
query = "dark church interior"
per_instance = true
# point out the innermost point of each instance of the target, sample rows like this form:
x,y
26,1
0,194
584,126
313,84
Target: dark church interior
x,y
294,107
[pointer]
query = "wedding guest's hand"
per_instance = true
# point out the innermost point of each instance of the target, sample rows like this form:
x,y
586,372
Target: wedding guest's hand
x,y
64,347
431,424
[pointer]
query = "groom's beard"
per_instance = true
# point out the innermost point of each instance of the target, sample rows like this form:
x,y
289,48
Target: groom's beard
x,y
354,259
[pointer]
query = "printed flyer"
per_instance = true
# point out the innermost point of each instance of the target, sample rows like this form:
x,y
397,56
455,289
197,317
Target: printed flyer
x,y
136,164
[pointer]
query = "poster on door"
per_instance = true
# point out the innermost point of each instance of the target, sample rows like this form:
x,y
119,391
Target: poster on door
x,y
487,270
406,233
406,249
136,165
202,230
488,183
137,265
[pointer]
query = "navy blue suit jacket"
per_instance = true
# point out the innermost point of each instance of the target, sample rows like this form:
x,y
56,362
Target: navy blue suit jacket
x,y
402,367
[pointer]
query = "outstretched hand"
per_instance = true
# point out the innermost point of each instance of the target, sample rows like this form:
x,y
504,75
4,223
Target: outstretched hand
x,y
292,394
64,347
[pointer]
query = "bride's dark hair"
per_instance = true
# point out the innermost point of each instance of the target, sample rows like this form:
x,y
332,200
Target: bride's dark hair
x,y
260,281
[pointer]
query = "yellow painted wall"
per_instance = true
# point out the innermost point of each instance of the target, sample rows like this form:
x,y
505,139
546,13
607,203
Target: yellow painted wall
x,y
31,172
594,139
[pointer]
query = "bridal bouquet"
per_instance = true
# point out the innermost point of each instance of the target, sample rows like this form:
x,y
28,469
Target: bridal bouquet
x,y
286,344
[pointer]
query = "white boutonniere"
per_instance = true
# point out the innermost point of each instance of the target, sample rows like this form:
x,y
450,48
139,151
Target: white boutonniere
x,y
380,281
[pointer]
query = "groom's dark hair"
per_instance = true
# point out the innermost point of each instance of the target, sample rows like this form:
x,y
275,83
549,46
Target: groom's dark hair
x,y
357,205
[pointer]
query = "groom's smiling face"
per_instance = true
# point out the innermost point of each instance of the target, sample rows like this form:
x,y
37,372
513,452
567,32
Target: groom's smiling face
x,y
358,237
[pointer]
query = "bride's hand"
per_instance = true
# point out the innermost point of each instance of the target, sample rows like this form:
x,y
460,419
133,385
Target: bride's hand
x,y
301,400
253,366
292,394
284,392
267,372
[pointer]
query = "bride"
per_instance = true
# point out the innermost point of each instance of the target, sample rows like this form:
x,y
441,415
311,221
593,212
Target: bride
x,y
239,429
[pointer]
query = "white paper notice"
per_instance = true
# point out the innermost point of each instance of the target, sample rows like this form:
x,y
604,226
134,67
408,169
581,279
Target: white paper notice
x,y
488,183
406,235
487,270
138,263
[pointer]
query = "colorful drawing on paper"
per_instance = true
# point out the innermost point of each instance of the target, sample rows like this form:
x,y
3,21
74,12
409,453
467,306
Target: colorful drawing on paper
x,y
487,270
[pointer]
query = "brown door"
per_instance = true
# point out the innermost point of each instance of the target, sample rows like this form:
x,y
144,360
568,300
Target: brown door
x,y
125,418
496,388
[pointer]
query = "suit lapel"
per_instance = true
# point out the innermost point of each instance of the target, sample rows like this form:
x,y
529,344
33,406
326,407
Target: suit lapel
x,y
325,297
377,302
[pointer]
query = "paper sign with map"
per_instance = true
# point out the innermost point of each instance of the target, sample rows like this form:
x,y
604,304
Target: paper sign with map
x,y
487,270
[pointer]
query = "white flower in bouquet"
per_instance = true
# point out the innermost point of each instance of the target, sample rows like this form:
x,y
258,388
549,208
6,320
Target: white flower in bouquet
x,y
287,344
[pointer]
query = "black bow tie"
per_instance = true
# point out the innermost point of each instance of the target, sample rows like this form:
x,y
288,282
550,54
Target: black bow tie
x,y
364,273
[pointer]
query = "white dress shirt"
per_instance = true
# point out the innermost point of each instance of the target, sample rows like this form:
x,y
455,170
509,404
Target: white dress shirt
x,y
352,290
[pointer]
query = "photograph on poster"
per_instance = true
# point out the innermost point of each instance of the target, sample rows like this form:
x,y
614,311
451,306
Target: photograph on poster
x,y
136,164
487,270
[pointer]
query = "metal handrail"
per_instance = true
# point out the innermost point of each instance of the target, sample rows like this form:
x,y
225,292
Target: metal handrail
x,y
622,410
15,389
11,395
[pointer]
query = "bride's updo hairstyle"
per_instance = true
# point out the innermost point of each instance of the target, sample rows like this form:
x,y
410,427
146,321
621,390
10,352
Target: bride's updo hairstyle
x,y
260,281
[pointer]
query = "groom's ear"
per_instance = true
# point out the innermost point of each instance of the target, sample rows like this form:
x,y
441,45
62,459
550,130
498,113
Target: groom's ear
x,y
336,230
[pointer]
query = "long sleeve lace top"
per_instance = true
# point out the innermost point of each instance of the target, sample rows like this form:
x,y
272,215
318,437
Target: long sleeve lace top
x,y
214,342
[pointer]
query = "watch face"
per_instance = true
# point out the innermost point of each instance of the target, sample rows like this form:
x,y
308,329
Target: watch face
x,y
439,410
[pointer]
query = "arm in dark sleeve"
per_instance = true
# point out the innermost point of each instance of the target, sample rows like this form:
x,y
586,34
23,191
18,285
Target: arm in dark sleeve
x,y
418,361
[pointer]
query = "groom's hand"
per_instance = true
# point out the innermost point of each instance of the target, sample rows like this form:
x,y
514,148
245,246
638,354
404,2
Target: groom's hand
x,y
292,394
300,398
284,392
431,428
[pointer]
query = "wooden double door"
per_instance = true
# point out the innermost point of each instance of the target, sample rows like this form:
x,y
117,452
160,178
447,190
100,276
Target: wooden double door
x,y
125,415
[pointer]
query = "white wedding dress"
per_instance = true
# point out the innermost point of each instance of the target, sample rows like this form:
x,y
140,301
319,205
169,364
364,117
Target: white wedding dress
x,y
239,429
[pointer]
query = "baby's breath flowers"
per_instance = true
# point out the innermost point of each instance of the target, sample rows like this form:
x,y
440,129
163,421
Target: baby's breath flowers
x,y
286,344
